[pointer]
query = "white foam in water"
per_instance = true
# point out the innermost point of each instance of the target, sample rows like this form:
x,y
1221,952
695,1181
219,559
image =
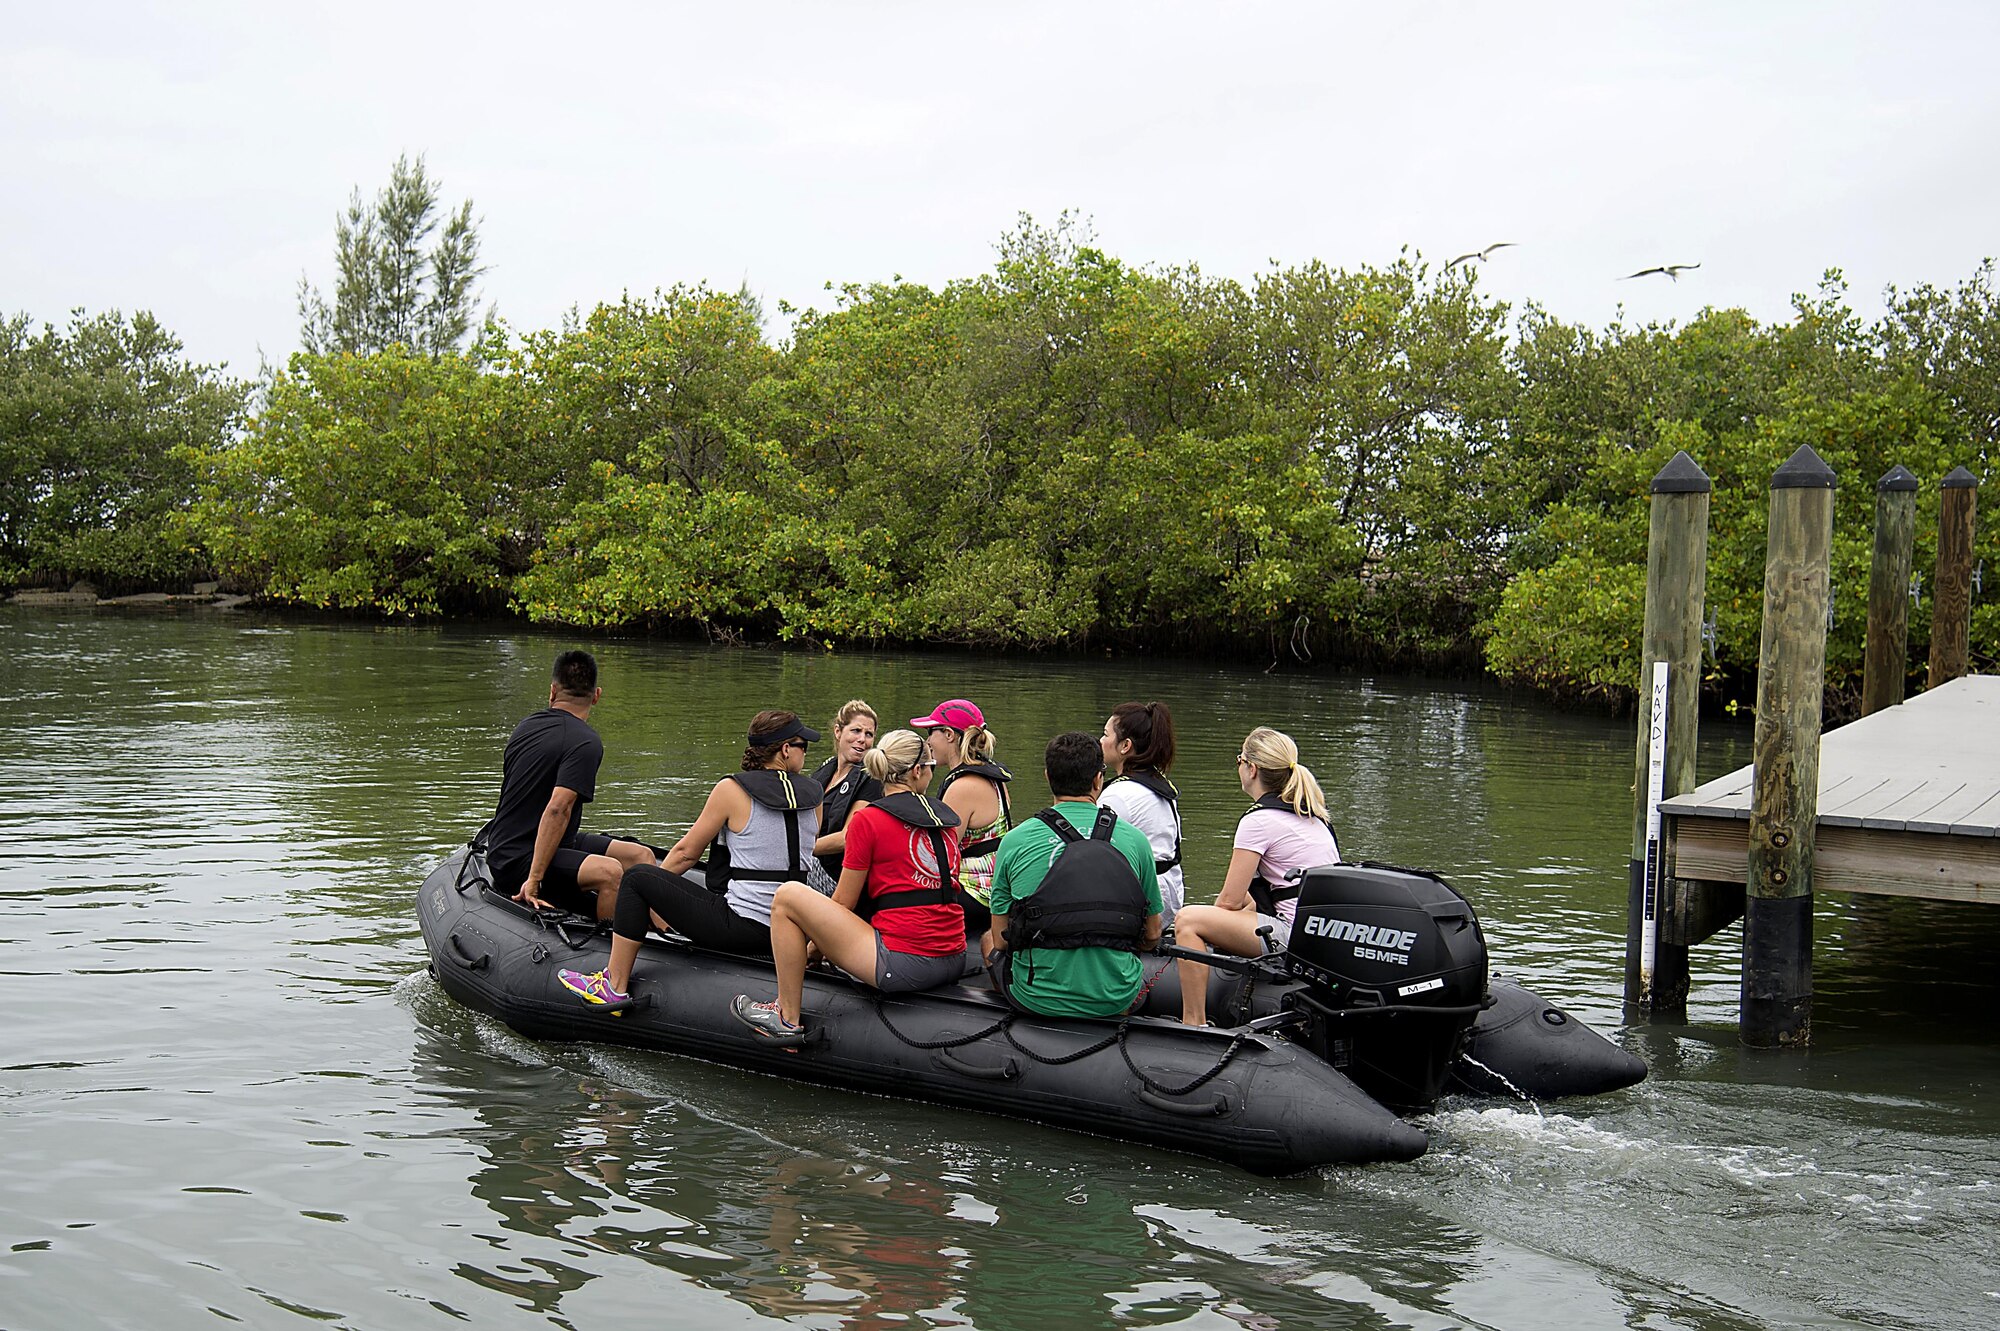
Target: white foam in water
x,y
422,995
1498,1124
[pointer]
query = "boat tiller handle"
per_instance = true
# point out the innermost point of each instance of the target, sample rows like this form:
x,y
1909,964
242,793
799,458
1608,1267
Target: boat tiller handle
x,y
1007,1070
466,959
1167,1104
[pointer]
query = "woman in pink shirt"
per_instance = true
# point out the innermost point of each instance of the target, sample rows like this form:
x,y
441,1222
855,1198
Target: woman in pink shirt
x,y
1285,832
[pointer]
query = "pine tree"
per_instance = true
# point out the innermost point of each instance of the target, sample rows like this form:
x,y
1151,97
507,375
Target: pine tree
x,y
389,288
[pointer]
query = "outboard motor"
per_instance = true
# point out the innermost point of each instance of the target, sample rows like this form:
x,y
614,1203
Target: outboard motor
x,y
1393,971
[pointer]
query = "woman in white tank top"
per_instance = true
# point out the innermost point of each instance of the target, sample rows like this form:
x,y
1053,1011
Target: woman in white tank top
x,y
1138,744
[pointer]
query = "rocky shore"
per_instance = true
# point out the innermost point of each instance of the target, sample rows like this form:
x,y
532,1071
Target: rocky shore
x,y
206,595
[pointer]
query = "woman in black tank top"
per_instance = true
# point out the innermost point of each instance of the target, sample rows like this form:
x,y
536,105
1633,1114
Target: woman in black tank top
x,y
848,787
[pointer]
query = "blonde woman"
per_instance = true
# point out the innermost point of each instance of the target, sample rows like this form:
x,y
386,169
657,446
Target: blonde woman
x,y
848,787
975,788
894,922
1285,832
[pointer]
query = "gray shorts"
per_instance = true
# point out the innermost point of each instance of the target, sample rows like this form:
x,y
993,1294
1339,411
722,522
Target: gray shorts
x,y
902,972
1281,933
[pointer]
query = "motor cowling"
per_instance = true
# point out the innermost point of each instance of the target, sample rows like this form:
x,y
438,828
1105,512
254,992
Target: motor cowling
x,y
1393,970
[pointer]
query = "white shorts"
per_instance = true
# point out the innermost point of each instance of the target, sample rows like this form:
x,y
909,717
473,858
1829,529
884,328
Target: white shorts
x,y
1281,933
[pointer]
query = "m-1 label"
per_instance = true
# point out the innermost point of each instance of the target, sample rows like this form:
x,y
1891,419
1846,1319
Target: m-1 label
x,y
1421,987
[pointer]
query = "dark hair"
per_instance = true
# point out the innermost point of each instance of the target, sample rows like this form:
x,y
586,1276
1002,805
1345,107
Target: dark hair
x,y
1150,727
760,755
575,674
1073,760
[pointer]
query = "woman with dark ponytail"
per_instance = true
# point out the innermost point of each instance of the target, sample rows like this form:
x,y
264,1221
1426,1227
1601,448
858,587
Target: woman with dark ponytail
x,y
757,827
1138,744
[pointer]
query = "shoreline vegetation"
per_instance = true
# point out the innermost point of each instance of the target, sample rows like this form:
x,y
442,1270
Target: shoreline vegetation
x,y
1379,467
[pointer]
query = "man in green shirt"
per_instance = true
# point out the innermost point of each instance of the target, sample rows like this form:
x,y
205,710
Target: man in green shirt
x,y
1075,981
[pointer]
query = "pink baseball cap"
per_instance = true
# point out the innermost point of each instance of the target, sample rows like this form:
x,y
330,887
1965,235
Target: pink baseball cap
x,y
956,713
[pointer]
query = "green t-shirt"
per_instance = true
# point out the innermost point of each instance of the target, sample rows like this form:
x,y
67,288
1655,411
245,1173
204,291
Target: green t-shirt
x,y
1078,981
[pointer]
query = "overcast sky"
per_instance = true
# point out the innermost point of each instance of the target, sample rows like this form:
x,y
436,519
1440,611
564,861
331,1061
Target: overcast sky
x,y
190,158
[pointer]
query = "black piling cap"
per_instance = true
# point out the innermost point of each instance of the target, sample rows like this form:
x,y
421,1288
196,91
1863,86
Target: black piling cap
x,y
1897,477
1681,476
1803,470
1960,479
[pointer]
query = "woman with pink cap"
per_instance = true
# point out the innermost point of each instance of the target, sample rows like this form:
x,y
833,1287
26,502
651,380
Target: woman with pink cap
x,y
974,787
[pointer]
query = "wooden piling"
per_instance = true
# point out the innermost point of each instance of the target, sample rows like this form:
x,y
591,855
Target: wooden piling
x,y
1656,972
1791,682
1886,666
1951,588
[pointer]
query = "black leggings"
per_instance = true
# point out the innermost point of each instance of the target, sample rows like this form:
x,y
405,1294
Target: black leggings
x,y
697,914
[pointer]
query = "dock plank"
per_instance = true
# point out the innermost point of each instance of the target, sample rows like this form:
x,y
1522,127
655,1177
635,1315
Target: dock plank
x,y
1983,821
1900,814
1854,790
1877,772
1909,804
1953,810
1858,805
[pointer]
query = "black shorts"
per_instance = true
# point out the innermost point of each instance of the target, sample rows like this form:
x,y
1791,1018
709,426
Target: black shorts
x,y
559,885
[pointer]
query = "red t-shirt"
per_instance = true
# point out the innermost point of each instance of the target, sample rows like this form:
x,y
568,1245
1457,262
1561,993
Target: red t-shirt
x,y
898,857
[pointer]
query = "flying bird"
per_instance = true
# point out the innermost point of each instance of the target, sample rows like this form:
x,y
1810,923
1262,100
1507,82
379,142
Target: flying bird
x,y
1481,255
1672,270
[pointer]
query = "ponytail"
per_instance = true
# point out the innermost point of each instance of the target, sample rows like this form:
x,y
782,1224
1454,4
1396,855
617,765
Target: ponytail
x,y
894,756
1150,727
1302,792
1277,760
975,745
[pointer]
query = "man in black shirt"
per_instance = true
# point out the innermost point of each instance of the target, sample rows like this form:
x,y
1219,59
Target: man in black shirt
x,y
533,847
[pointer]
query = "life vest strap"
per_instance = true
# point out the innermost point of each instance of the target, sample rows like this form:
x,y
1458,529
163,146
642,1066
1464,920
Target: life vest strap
x,y
945,894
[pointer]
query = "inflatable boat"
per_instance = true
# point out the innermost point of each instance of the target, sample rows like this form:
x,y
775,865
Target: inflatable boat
x,y
1381,1005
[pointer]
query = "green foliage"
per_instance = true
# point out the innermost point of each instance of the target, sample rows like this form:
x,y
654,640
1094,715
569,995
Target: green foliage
x,y
1066,450
101,427
390,291
1740,398
394,483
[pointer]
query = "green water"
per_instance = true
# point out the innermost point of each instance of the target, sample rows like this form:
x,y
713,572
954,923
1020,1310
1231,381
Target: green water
x,y
230,1093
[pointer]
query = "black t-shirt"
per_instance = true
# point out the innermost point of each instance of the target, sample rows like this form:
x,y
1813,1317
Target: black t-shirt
x,y
551,748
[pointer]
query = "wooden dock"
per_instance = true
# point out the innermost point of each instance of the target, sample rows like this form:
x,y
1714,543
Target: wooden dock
x,y
1909,806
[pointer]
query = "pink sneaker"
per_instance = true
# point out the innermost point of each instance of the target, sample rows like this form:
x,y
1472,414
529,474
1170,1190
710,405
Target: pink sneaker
x,y
591,988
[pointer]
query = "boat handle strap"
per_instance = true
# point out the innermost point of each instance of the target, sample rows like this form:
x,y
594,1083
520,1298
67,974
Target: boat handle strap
x,y
1007,1070
465,958
1215,1108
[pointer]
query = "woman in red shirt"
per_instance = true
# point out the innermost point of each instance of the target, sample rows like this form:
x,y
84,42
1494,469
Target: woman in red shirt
x,y
894,921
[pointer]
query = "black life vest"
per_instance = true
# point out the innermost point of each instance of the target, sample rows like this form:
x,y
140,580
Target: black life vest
x,y
790,796
838,801
1090,898
999,776
857,787
932,818
1165,789
1263,892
